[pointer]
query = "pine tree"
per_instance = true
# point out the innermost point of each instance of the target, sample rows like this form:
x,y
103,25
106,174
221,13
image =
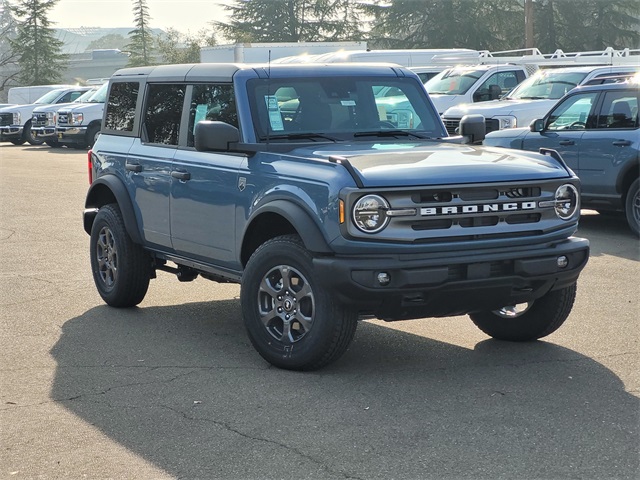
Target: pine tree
x,y
39,52
8,58
292,21
141,38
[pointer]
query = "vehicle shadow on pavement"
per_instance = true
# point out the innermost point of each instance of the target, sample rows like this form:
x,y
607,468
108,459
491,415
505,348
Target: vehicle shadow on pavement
x,y
609,235
182,387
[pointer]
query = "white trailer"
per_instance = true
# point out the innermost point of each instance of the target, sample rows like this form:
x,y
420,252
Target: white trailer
x,y
263,52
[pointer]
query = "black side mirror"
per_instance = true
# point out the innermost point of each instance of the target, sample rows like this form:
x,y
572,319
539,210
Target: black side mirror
x,y
215,136
473,128
537,125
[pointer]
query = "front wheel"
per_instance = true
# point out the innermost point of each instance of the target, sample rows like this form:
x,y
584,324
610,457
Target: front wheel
x,y
30,137
291,320
530,321
92,135
121,268
632,207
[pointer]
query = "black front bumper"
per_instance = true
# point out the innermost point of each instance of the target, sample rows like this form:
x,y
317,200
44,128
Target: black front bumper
x,y
446,284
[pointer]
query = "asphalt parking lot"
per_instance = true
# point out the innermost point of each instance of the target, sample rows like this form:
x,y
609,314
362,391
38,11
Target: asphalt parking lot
x,y
174,389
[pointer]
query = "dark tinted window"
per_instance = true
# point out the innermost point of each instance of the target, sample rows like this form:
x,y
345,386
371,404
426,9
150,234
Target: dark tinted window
x,y
211,102
163,113
121,107
619,110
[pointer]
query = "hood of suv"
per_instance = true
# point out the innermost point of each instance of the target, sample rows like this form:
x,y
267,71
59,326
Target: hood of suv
x,y
414,164
517,108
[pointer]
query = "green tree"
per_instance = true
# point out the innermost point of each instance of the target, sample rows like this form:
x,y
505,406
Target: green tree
x,y
579,25
140,39
8,57
477,24
176,47
38,50
292,21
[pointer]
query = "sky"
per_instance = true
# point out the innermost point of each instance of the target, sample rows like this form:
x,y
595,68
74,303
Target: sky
x,y
182,15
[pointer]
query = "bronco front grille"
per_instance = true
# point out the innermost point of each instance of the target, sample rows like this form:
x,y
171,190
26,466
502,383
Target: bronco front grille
x,y
465,212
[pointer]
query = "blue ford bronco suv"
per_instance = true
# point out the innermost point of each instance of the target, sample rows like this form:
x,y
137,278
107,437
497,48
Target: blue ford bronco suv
x,y
327,203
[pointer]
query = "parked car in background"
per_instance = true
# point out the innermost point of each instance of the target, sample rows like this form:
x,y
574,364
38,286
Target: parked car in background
x,y
532,99
15,121
43,119
427,72
78,126
474,83
595,130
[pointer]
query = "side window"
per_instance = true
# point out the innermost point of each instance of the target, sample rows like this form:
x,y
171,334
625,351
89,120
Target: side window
x,y
211,102
619,110
69,97
163,112
574,113
121,106
495,86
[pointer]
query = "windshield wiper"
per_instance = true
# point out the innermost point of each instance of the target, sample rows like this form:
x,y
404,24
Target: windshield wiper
x,y
389,133
530,98
299,136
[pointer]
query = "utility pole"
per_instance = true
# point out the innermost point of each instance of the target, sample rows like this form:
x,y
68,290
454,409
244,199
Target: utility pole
x,y
528,23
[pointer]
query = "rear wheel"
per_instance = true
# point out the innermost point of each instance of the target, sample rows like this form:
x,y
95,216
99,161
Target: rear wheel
x,y
290,319
121,268
529,321
632,207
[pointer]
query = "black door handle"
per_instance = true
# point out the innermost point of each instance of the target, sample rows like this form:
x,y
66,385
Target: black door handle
x,y
567,142
622,143
133,167
181,175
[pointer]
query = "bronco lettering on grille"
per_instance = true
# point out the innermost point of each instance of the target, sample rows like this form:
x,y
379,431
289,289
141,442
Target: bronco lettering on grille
x,y
484,208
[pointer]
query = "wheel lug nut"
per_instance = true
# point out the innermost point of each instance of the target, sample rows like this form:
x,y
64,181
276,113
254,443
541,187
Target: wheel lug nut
x,y
279,309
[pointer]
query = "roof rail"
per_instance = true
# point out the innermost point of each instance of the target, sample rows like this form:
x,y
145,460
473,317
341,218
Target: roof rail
x,y
608,56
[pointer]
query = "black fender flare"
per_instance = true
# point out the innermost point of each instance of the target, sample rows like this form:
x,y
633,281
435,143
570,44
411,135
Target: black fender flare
x,y
108,189
311,234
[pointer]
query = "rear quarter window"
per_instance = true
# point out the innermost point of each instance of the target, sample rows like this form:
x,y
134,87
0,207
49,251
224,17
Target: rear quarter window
x,y
121,106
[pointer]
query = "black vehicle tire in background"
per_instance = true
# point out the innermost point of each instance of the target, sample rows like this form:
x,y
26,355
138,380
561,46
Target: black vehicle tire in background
x,y
28,135
291,320
19,141
53,143
632,207
121,269
530,321
92,135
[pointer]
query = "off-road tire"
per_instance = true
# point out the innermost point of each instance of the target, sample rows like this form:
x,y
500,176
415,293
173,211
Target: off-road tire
x,y
632,207
121,269
543,317
280,280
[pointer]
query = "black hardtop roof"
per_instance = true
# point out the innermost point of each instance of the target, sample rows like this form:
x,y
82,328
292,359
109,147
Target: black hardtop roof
x,y
629,84
224,72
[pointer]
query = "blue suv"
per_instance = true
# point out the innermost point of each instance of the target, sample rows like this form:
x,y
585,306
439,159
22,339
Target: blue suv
x,y
595,130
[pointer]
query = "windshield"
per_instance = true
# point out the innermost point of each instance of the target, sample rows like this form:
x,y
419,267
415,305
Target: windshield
x,y
547,84
85,96
100,95
454,81
341,108
49,97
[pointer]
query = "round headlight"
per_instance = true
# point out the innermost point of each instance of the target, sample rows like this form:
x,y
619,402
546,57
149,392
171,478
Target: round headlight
x,y
370,213
567,201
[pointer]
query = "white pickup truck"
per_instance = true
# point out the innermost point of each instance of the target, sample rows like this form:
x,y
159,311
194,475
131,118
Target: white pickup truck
x,y
15,121
474,83
532,99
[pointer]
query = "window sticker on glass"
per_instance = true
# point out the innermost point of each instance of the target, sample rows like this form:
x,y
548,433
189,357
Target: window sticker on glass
x,y
348,103
273,109
201,114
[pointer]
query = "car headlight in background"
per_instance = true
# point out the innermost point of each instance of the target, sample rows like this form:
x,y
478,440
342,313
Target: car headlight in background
x,y
51,119
76,119
370,213
16,118
506,121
